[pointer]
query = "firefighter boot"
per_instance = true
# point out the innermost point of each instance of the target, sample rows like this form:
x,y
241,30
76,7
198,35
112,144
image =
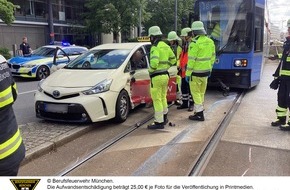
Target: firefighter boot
x,y
285,127
280,121
165,119
198,116
190,108
184,105
156,125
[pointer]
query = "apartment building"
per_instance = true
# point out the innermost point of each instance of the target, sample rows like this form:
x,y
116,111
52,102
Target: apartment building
x,y
44,21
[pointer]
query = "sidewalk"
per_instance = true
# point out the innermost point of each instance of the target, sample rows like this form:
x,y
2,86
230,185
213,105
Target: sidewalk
x,y
40,138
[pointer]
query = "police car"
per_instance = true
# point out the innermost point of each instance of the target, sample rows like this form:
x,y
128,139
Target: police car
x,y
39,64
101,84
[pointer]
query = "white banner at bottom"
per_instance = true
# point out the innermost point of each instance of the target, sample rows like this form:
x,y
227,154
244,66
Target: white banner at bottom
x,y
146,183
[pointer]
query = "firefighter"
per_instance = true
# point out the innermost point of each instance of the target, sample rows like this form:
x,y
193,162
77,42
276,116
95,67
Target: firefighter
x,y
201,57
215,34
12,150
187,101
161,59
175,44
282,83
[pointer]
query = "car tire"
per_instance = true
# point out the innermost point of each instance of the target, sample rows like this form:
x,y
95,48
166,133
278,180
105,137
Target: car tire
x,y
86,65
42,72
122,107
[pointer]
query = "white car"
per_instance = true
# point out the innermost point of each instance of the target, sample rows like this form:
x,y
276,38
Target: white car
x,y
101,84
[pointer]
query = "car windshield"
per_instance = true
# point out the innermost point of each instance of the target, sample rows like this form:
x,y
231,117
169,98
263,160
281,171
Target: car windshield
x,y
100,59
44,51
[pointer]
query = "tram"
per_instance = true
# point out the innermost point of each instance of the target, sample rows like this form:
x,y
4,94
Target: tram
x,y
237,28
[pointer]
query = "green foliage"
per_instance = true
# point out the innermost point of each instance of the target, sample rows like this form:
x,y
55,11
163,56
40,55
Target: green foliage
x,y
112,16
7,11
163,14
5,52
108,16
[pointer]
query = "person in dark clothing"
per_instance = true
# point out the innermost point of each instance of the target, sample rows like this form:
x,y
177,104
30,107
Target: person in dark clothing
x,y
12,149
282,83
25,47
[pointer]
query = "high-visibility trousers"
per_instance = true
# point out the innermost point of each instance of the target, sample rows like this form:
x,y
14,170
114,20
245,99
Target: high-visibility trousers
x,y
158,91
198,87
283,99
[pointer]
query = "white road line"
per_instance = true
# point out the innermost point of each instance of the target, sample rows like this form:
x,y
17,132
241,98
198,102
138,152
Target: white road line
x,y
26,92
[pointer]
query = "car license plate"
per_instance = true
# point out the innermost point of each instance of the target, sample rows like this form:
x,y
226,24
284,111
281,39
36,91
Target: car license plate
x,y
56,108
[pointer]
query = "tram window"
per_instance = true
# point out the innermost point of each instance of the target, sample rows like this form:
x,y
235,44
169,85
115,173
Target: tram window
x,y
259,24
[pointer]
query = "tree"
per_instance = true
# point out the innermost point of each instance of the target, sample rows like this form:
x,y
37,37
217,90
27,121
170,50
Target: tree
x,y
163,13
7,11
111,16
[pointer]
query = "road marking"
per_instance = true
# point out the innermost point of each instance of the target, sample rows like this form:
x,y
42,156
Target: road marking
x,y
27,92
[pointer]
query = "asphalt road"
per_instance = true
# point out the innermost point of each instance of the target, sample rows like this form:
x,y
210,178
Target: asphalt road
x,y
24,105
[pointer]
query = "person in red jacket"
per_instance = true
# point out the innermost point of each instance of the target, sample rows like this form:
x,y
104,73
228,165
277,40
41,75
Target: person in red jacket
x,y
187,101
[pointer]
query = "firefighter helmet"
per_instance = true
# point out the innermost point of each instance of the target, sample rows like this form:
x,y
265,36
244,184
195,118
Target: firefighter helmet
x,y
154,31
197,27
172,36
185,31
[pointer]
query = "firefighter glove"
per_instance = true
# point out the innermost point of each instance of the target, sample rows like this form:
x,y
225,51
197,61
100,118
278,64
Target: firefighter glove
x,y
275,84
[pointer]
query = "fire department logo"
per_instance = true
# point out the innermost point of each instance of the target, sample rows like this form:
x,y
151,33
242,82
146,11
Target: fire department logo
x,y
25,184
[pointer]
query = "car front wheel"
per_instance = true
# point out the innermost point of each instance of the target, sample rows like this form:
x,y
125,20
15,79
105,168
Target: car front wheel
x,y
42,72
122,107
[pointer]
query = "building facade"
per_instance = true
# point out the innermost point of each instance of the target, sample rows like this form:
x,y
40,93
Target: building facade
x,y
45,21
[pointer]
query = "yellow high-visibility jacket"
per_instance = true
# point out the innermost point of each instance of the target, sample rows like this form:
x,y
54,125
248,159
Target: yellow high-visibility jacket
x,y
161,58
201,56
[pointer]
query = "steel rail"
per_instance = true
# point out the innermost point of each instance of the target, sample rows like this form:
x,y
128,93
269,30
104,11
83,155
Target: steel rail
x,y
105,145
210,146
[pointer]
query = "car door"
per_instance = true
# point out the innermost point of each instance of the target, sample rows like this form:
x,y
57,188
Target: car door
x,y
140,81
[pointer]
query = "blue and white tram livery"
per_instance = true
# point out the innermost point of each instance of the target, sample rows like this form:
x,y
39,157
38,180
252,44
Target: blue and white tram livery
x,y
237,28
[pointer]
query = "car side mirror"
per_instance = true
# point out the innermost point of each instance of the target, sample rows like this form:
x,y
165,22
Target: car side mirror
x,y
132,72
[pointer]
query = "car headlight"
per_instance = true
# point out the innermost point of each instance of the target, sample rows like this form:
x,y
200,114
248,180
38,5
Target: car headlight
x,y
101,87
28,66
39,85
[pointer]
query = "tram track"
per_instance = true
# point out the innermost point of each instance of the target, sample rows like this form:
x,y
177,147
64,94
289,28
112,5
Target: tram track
x,y
210,146
200,162
130,150
106,145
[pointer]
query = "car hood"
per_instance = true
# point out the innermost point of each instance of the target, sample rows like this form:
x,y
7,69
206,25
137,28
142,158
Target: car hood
x,y
67,78
22,60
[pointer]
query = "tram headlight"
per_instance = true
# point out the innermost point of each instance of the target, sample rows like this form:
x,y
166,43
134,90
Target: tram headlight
x,y
241,63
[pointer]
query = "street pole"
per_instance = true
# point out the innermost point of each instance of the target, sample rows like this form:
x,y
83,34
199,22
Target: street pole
x,y
140,19
175,20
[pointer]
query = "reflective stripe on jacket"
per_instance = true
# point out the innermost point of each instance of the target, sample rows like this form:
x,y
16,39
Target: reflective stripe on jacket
x,y
161,57
10,145
10,137
285,68
8,89
201,56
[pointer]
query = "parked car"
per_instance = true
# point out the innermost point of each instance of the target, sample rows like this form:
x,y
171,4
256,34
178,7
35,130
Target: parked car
x,y
101,84
39,64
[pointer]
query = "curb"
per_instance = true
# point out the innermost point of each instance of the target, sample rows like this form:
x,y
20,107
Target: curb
x,y
54,144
